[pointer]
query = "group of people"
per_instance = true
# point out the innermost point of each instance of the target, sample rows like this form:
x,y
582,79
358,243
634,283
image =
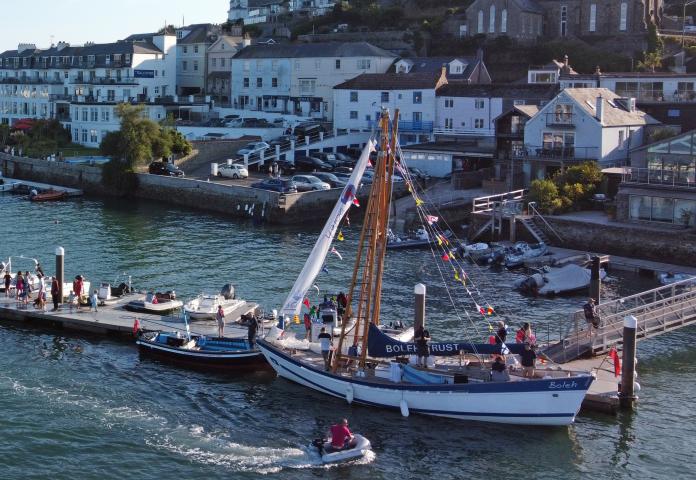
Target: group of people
x,y
25,285
528,356
252,326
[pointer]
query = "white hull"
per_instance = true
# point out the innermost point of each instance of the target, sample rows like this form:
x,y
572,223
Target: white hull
x,y
537,402
207,310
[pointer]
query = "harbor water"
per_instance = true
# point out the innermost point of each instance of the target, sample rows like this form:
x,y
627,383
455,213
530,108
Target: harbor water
x,y
85,407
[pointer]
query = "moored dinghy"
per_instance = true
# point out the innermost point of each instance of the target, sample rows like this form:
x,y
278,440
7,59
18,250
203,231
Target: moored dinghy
x,y
157,303
204,307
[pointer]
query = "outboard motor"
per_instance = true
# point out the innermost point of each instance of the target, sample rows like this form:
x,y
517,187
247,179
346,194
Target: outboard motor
x,y
227,292
318,443
104,291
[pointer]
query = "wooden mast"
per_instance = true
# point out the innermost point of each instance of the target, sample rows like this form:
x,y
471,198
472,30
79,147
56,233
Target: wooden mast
x,y
369,262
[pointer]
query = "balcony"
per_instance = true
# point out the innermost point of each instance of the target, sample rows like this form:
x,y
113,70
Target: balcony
x,y
30,81
407,127
666,177
658,95
553,154
103,81
560,119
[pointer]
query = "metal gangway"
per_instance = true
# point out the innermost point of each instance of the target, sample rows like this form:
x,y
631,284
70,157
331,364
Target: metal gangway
x,y
658,311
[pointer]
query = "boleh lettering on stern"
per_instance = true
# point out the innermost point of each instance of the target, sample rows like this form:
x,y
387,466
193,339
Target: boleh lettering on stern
x,y
562,385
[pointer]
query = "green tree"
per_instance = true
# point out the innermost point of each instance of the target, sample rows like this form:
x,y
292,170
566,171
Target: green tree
x,y
651,61
4,134
545,194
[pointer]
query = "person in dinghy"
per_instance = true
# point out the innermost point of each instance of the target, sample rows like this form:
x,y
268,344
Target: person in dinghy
x,y
341,436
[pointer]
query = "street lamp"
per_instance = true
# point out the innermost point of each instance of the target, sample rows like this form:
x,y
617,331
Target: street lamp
x,y
684,18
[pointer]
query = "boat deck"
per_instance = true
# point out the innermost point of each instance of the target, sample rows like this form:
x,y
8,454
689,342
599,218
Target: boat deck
x,y
115,320
69,192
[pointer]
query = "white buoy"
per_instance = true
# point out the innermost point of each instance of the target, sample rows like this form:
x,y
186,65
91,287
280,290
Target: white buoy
x,y
349,394
404,407
636,386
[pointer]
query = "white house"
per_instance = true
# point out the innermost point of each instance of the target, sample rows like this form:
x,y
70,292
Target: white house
x,y
470,110
358,102
80,85
193,42
299,78
582,124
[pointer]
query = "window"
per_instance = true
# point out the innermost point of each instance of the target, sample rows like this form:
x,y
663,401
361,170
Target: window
x,y
245,83
307,86
491,19
384,97
448,123
364,64
564,20
563,113
274,82
274,65
105,114
93,138
353,115
93,114
185,49
479,28
195,49
84,135
214,62
85,115
76,135
222,62
297,65
593,17
259,82
353,97
195,65
478,123
622,139
317,64
479,103
623,16
503,21
246,65
338,64
417,117
519,102
417,97
449,103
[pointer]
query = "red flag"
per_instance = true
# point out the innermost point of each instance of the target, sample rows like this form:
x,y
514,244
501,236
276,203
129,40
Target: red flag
x,y
446,257
306,302
136,326
356,202
614,355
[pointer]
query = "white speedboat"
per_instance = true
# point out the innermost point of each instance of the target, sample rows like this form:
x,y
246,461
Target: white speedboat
x,y
557,280
358,448
458,385
669,278
204,307
157,303
523,251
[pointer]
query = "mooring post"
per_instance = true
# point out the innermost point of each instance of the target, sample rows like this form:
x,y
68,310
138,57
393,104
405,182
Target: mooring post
x,y
419,319
627,395
60,271
595,282
513,228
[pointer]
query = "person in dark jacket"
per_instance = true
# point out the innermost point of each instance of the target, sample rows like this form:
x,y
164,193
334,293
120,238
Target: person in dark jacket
x,y
528,360
501,334
55,293
421,338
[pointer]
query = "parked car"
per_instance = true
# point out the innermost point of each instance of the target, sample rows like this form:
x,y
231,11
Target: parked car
x,y
233,171
332,179
233,123
307,130
255,123
419,174
252,147
307,183
282,185
346,159
285,167
343,177
310,164
283,141
343,169
329,158
166,169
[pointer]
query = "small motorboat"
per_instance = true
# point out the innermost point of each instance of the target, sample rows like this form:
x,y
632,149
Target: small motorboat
x,y
523,251
158,303
557,280
418,239
47,195
201,352
358,448
109,295
669,278
204,307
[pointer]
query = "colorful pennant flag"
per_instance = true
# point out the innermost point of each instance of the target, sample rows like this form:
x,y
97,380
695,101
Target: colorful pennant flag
x,y
356,202
431,219
340,236
324,269
446,257
489,310
335,252
419,202
305,302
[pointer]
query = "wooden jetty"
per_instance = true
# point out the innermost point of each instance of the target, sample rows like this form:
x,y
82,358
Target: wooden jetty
x,y
114,320
69,192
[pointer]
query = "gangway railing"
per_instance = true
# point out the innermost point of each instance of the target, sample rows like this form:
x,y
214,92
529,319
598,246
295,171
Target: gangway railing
x,y
658,311
487,203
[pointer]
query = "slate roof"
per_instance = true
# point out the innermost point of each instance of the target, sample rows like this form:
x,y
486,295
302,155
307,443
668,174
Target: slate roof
x,y
199,33
308,50
503,90
434,64
614,114
390,81
529,6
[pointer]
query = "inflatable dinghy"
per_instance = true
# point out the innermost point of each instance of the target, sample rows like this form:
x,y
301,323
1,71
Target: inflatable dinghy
x,y
358,449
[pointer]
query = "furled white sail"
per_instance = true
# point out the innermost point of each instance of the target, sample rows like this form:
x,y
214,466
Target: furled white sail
x,y
293,304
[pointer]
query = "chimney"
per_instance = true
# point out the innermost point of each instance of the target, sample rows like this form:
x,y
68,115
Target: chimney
x,y
599,109
443,71
565,61
597,71
246,41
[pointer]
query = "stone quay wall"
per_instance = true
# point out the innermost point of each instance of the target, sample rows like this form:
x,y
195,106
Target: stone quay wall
x,y
233,200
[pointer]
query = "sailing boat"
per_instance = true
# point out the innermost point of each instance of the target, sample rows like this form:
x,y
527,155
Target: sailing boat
x,y
459,386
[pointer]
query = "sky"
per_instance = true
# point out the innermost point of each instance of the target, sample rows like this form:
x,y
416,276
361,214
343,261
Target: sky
x,y
100,21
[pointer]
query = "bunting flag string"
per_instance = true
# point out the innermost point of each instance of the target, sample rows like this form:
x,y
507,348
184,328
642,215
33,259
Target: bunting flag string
x,y
335,252
431,219
356,202
340,236
306,303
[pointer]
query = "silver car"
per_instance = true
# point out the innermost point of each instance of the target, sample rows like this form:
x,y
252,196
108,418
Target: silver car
x,y
306,183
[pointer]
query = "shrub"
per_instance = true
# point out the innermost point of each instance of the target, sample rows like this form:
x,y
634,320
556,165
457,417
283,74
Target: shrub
x,y
545,194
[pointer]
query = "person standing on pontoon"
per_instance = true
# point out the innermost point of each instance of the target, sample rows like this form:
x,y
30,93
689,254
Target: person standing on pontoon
x,y
8,283
251,331
220,317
